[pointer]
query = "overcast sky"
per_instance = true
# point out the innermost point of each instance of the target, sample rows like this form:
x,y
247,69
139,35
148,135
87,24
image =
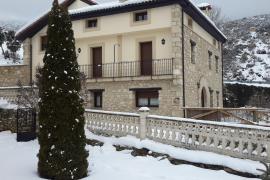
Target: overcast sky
x,y
25,10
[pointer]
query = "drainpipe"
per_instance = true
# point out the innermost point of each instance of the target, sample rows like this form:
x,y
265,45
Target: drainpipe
x,y
183,63
114,56
222,71
31,63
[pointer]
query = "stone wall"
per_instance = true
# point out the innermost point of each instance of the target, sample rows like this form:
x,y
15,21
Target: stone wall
x,y
8,120
10,75
176,31
117,95
198,75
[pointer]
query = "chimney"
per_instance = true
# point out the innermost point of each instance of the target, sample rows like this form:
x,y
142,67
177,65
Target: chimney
x,y
206,8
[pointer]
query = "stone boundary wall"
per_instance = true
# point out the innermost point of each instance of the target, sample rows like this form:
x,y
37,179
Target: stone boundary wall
x,y
10,75
240,141
8,120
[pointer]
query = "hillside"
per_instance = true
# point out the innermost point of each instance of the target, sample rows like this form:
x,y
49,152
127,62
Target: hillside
x,y
247,52
11,24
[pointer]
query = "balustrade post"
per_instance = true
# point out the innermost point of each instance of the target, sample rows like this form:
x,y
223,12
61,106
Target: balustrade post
x,y
144,112
255,117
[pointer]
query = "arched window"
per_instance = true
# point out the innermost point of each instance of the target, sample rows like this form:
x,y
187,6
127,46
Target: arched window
x,y
203,97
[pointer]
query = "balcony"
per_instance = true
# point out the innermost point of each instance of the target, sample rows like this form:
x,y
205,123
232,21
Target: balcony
x,y
158,67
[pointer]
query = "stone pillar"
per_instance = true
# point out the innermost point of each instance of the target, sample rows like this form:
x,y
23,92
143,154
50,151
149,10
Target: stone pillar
x,y
27,51
176,32
144,112
27,59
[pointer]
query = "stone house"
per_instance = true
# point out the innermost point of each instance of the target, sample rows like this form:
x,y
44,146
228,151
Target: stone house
x,y
164,54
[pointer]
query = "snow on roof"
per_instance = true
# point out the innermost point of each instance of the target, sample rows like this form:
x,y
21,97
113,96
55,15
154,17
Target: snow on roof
x,y
35,19
116,4
203,5
208,19
107,5
128,2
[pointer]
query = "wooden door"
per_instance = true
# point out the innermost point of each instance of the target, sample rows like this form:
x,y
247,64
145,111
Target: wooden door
x,y
146,58
97,62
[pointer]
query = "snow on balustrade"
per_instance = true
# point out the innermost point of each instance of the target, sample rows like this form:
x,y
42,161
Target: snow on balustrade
x,y
240,141
112,123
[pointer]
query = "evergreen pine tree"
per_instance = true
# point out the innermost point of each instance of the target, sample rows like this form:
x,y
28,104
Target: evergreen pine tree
x,y
62,140
2,40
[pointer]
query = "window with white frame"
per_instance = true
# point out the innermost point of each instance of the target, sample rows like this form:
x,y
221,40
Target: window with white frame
x,y
140,16
91,23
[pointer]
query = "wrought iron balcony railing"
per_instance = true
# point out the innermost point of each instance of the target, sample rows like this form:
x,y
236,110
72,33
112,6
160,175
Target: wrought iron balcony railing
x,y
128,69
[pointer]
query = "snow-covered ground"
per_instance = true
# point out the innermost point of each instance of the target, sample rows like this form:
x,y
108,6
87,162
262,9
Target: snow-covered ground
x,y
19,162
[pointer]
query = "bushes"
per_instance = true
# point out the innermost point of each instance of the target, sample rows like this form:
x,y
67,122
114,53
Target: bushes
x,y
239,95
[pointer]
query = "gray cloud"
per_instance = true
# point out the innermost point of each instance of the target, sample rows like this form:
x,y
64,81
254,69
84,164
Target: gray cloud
x,y
27,9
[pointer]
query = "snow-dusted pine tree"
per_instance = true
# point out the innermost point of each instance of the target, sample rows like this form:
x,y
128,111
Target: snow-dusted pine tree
x,y
2,40
62,140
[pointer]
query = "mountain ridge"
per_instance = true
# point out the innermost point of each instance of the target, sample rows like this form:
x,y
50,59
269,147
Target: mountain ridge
x,y
247,51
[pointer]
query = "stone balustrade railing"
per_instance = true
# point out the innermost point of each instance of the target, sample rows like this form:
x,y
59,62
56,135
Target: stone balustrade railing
x,y
112,123
240,141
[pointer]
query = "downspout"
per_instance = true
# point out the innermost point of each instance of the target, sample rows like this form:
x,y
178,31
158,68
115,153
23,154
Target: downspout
x,y
222,71
31,63
183,63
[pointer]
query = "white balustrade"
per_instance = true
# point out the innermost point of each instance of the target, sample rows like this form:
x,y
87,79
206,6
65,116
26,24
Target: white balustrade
x,y
110,123
240,141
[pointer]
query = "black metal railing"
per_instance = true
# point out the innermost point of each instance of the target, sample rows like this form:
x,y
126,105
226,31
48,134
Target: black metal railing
x,y
156,67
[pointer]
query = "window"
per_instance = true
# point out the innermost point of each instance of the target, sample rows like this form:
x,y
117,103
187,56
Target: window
x,y
98,99
215,42
210,59
217,64
147,99
217,93
193,51
190,22
92,23
43,43
211,97
141,16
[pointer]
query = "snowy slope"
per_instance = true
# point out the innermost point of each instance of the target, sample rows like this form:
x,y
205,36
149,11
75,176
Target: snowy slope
x,y
6,62
247,52
10,26
19,162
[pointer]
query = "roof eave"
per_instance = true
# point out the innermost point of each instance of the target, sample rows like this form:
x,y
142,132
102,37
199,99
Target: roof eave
x,y
188,7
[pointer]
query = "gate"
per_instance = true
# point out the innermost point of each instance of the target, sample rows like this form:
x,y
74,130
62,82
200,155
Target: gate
x,y
26,124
